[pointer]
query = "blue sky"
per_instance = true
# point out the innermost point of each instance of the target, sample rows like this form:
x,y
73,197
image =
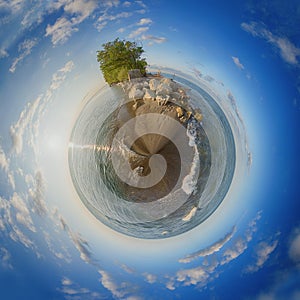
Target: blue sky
x,y
51,246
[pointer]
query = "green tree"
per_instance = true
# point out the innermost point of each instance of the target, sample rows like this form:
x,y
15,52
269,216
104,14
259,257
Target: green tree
x,y
118,57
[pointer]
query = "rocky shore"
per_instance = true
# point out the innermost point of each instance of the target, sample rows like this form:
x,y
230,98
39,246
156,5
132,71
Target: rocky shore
x,y
160,95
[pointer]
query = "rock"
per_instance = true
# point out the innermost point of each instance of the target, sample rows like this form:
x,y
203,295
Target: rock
x,y
149,94
164,88
175,96
162,99
198,117
153,84
174,86
179,111
135,93
137,104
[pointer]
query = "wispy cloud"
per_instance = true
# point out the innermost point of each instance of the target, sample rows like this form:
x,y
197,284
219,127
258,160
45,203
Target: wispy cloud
x,y
3,53
22,212
144,21
17,130
76,12
127,4
138,32
5,258
108,282
79,242
214,256
150,278
263,252
154,39
30,117
216,247
72,290
237,62
60,31
13,6
294,247
107,17
141,4
37,193
25,49
120,290
4,161
240,245
288,51
103,20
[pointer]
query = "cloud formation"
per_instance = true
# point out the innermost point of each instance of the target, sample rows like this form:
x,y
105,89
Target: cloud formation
x,y
216,247
237,62
294,248
262,254
154,39
144,21
25,49
76,12
215,256
5,258
37,193
73,291
288,51
13,6
138,32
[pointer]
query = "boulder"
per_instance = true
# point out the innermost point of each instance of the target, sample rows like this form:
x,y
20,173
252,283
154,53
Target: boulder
x,y
164,88
135,93
149,94
153,84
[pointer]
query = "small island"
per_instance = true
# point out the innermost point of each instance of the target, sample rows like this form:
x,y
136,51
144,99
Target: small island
x,y
146,93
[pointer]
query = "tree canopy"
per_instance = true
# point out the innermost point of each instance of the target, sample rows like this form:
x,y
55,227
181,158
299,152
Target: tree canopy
x,y
118,57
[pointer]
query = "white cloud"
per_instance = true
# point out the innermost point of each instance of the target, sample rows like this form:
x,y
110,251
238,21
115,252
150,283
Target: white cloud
x,y
121,30
64,27
141,4
82,8
37,194
138,32
154,39
22,212
144,21
79,242
74,291
60,31
5,258
108,282
150,278
30,117
294,249
3,53
241,243
59,77
111,3
4,161
262,254
13,6
119,289
26,117
126,4
106,17
216,247
288,51
25,49
237,62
